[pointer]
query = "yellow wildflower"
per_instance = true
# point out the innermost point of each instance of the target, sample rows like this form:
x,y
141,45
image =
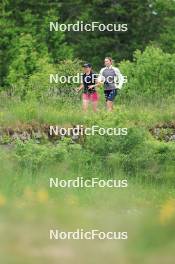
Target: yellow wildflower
x,y
42,196
2,200
167,211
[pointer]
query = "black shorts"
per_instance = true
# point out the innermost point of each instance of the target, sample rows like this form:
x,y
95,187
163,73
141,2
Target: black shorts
x,y
110,94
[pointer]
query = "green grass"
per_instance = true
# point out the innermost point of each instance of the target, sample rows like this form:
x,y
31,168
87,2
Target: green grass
x,y
130,114
146,209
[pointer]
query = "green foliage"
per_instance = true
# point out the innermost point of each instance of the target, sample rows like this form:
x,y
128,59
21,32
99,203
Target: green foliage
x,y
134,154
150,75
33,156
25,38
150,20
165,11
35,83
23,64
38,85
67,69
6,139
104,145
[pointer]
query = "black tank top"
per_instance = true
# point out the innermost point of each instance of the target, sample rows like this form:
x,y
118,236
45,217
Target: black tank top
x,y
89,79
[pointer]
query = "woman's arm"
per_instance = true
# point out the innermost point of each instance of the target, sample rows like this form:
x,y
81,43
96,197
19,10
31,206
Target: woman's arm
x,y
98,82
79,88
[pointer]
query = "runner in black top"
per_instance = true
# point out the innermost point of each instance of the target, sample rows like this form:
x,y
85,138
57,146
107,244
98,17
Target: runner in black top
x,y
89,80
88,86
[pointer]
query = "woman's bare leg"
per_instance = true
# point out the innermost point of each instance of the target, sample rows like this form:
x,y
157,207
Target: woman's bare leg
x,y
94,106
109,105
85,105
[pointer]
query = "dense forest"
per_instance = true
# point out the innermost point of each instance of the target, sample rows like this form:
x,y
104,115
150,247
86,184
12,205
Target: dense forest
x,y
25,37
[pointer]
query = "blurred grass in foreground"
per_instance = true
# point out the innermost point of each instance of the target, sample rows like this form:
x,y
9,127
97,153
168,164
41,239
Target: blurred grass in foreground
x,y
146,209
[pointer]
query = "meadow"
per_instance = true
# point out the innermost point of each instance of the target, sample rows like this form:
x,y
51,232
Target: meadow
x,y
145,209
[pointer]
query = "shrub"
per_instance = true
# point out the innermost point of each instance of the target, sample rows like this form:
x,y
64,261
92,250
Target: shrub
x,y
33,156
66,90
150,75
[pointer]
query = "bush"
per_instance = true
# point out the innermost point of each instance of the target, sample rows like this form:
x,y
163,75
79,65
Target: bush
x,y
112,144
150,75
66,90
36,85
33,156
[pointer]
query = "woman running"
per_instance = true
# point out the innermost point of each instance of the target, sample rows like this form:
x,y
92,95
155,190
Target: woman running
x,y
88,85
112,79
